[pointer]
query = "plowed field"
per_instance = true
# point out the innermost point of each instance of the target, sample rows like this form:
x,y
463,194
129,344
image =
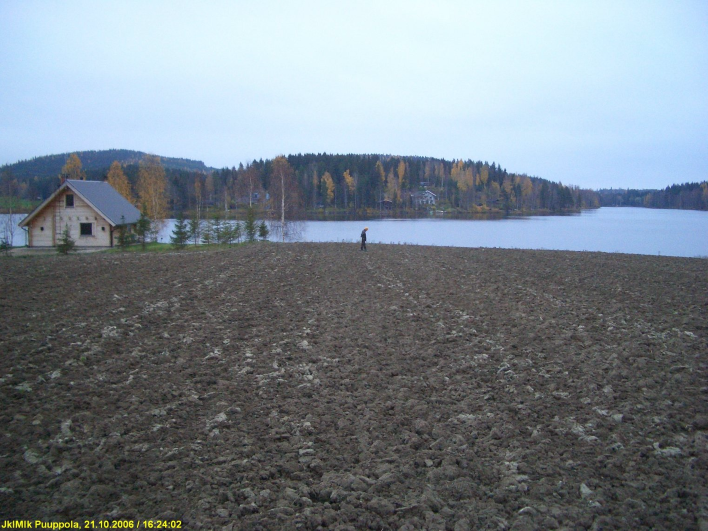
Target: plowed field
x,y
315,386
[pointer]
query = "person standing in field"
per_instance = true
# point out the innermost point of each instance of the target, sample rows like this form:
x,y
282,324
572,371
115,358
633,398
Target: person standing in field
x,y
363,238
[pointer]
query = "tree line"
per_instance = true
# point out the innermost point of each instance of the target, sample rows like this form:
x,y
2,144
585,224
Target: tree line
x,y
305,186
687,196
371,184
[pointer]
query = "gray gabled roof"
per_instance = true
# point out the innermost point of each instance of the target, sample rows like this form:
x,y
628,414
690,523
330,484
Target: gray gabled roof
x,y
101,196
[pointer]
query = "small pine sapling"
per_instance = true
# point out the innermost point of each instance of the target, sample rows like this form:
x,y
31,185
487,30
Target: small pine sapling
x,y
66,243
236,232
217,229
180,234
263,230
250,225
142,227
125,238
195,229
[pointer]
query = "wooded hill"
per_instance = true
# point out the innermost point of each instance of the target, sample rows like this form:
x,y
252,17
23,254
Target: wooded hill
x,y
95,163
326,183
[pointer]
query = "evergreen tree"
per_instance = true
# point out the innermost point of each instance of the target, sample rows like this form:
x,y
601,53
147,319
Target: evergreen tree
x,y
217,229
250,225
236,232
180,234
195,229
263,230
142,227
66,243
207,234
125,238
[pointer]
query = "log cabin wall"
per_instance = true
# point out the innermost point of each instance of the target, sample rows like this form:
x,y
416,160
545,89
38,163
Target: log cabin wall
x,y
86,226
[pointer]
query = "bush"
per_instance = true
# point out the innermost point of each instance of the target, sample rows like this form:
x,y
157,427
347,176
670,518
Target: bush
x,y
5,247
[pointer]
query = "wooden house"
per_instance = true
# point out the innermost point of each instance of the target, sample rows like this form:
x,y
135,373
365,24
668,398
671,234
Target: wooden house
x,y
92,210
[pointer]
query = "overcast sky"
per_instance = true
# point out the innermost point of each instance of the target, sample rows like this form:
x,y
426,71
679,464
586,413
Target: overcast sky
x,y
590,93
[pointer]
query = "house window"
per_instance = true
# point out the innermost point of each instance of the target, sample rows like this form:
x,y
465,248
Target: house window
x,y
86,229
69,200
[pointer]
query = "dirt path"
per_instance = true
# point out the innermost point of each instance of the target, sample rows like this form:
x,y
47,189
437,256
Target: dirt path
x,y
315,386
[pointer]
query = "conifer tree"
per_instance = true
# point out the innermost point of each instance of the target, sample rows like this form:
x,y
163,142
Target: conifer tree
x,y
180,234
236,232
217,228
66,243
125,238
143,227
250,225
263,230
195,229
207,233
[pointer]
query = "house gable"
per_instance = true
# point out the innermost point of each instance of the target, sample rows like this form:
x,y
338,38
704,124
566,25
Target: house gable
x,y
89,209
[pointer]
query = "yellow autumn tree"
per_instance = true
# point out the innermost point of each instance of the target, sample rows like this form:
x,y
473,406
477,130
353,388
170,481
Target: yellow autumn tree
x,y
392,190
382,179
526,188
464,178
349,186
401,171
327,188
117,179
72,169
484,175
509,194
152,195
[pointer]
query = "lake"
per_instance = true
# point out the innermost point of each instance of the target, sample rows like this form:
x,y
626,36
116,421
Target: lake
x,y
612,230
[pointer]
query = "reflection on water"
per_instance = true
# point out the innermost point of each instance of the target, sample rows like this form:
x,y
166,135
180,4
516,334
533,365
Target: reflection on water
x,y
623,230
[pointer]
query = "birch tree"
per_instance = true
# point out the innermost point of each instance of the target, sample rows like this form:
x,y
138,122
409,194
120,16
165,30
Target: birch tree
x,y
151,191
117,179
285,199
349,186
327,188
248,183
72,169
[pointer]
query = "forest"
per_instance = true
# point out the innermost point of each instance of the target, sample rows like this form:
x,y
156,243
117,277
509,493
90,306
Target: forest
x,y
687,196
320,186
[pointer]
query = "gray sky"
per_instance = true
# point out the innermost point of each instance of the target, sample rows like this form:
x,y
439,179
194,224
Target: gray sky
x,y
592,93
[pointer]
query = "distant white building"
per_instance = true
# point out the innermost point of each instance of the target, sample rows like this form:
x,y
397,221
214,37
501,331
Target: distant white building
x,y
424,198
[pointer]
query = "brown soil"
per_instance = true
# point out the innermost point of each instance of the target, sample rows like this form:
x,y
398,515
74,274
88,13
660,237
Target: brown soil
x,y
315,386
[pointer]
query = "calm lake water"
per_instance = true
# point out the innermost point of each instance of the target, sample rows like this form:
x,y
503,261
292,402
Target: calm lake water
x,y
612,230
